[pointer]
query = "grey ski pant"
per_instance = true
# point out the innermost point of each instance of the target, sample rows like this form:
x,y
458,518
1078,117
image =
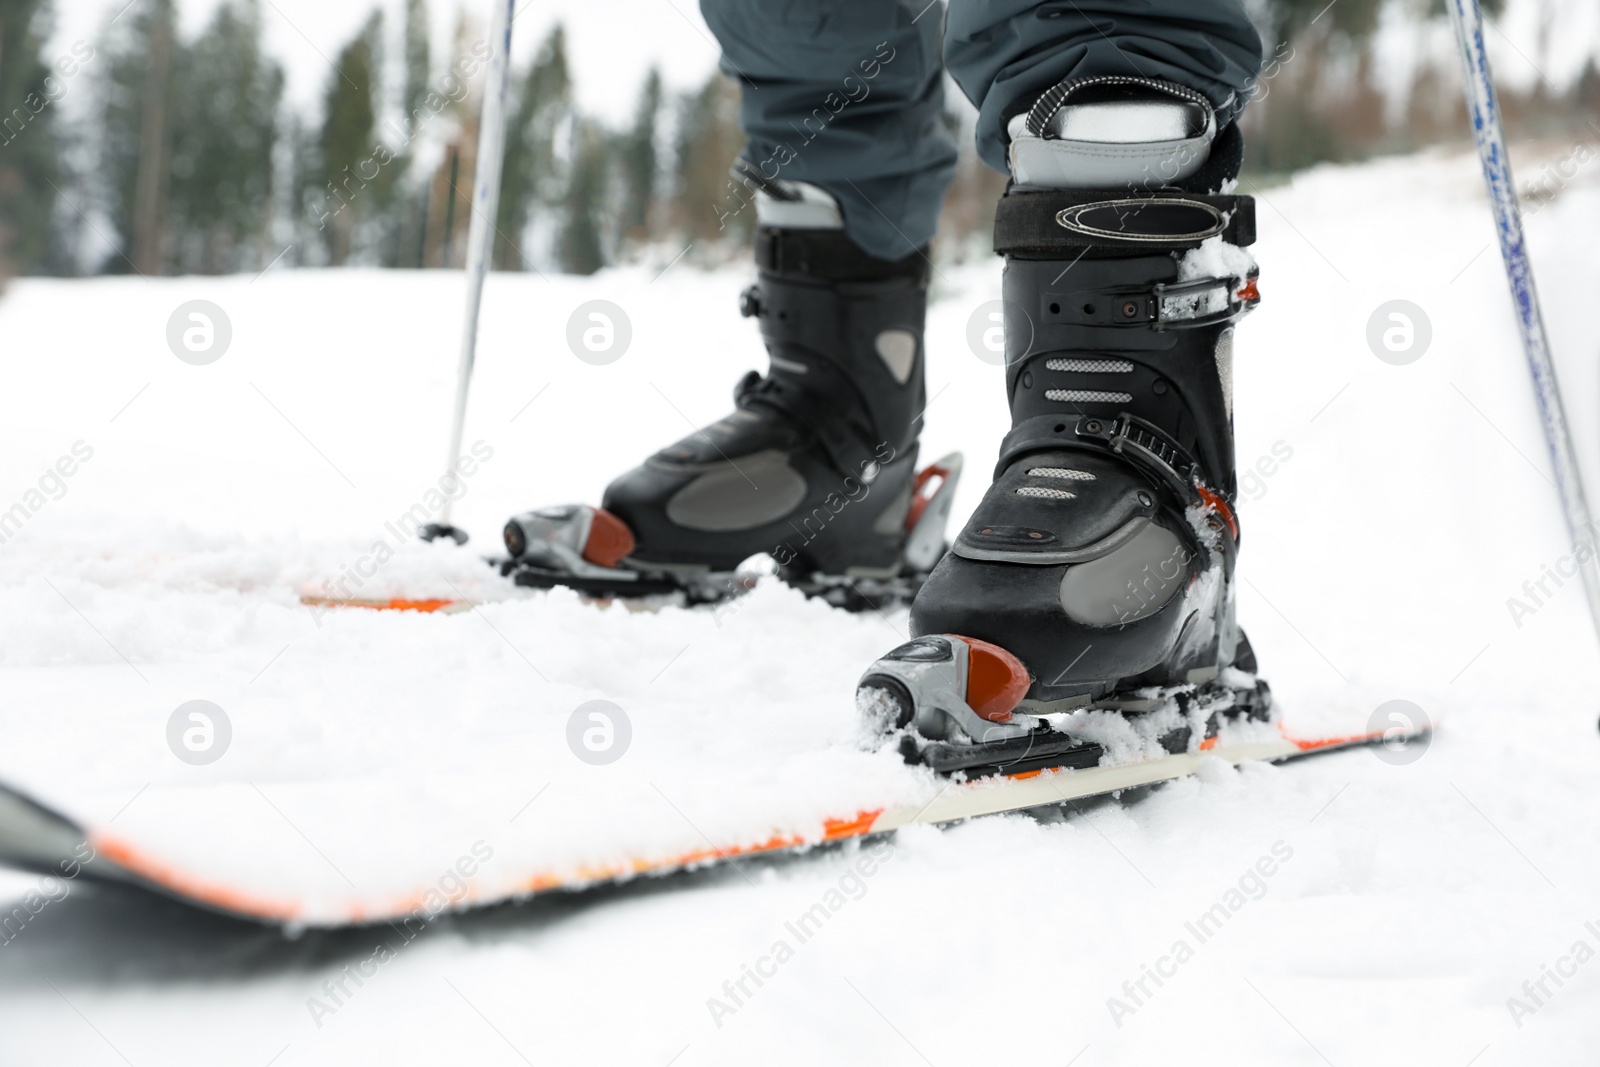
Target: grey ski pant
x,y
849,94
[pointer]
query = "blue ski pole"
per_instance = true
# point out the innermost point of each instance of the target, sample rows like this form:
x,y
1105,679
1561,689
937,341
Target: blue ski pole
x,y
1484,109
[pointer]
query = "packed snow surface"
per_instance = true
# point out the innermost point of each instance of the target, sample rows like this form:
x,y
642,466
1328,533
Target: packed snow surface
x,y
1401,542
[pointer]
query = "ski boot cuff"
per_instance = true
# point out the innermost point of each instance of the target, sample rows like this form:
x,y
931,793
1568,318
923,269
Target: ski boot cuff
x,y
843,332
1118,131
829,255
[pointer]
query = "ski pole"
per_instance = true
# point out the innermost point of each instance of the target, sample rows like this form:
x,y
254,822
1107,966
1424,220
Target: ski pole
x,y
1487,131
480,240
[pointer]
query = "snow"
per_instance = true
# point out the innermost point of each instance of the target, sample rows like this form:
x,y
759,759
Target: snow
x,y
1389,514
1215,258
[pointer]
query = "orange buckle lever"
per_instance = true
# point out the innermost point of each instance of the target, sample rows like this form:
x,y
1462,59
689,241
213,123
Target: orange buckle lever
x,y
1215,502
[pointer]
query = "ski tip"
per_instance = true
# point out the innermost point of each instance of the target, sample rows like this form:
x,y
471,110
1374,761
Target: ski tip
x,y
1317,744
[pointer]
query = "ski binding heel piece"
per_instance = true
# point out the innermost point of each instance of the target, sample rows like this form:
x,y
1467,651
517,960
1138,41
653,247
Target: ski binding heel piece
x,y
930,512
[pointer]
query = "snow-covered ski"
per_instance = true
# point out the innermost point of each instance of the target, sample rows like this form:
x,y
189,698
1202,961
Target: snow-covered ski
x,y
34,836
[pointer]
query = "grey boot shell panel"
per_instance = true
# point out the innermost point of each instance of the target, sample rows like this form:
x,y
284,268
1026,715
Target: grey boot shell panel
x,y
1128,584
758,489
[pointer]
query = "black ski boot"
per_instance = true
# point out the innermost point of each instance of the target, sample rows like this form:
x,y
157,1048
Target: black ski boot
x,y
816,465
1097,571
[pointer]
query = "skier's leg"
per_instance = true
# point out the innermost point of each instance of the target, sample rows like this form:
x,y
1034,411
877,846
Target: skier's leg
x,y
848,96
1101,560
1005,54
846,165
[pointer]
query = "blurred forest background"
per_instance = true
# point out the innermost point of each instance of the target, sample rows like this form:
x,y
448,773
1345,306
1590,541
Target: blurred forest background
x,y
187,158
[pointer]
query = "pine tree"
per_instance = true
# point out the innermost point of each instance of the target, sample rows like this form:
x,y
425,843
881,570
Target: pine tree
x,y
580,246
529,176
446,190
419,58
225,128
135,133
412,205
350,170
1586,90
29,170
636,158
709,204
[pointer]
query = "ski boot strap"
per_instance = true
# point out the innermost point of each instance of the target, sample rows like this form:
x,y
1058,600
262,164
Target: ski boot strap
x,y
1157,306
828,255
1144,443
1069,223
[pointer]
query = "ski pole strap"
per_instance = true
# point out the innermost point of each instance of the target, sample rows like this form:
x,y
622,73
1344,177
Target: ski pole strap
x,y
1064,223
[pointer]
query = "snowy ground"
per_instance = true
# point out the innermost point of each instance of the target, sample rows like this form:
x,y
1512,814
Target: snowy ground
x,y
1392,513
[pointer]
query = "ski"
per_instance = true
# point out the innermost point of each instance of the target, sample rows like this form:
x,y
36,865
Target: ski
x,y
36,837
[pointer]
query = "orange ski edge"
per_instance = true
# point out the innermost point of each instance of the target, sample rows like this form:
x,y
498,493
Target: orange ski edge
x,y
428,604
1315,743
167,877
170,879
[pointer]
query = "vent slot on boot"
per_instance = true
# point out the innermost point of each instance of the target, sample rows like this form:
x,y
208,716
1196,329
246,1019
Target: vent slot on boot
x,y
1086,396
1090,366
